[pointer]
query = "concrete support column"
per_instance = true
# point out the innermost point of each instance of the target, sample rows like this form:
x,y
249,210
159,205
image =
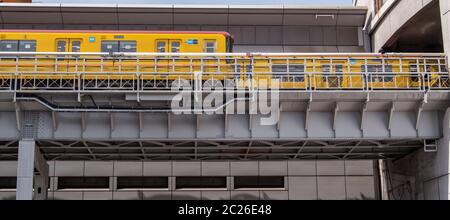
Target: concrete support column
x,y
31,163
422,175
441,164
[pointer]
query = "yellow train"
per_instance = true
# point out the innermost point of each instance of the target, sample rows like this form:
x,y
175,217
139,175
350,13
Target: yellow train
x,y
140,55
114,41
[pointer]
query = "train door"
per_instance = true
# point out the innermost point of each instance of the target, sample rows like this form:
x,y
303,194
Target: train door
x,y
67,45
165,64
168,46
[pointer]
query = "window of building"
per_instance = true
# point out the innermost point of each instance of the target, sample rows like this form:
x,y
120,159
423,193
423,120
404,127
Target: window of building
x,y
201,182
210,46
142,182
259,182
8,183
18,45
83,183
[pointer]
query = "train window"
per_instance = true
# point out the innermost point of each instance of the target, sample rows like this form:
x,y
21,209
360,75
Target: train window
x,y
161,46
18,45
377,73
279,68
388,70
175,45
27,46
326,70
210,46
76,46
61,46
110,46
9,45
127,46
338,69
297,69
413,71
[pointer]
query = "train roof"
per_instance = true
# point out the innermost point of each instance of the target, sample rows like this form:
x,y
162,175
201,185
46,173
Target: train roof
x,y
226,34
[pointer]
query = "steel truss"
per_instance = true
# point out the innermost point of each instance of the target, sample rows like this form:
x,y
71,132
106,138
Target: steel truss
x,y
218,149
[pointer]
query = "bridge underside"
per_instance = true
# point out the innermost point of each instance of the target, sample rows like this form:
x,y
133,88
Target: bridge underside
x,y
323,125
217,150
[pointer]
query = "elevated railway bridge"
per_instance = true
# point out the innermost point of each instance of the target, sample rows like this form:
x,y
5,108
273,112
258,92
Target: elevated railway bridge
x,y
118,106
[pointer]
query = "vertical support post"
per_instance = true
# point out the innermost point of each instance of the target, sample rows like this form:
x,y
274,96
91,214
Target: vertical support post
x,y
25,170
31,162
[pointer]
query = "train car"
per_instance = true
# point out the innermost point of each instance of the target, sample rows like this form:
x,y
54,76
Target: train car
x,y
89,41
115,41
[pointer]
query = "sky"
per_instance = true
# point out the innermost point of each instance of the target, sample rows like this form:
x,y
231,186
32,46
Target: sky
x,y
234,2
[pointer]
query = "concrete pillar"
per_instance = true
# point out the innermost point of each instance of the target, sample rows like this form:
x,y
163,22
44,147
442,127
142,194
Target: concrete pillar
x,y
32,172
41,187
422,175
25,170
442,165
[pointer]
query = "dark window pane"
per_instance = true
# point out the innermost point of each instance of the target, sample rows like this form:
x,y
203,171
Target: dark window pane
x,y
259,182
27,46
142,183
76,46
61,46
201,182
110,46
9,45
83,182
175,47
128,46
279,68
210,47
8,182
161,46
295,68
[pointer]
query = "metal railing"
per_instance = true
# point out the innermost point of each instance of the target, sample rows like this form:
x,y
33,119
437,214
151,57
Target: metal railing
x,y
146,72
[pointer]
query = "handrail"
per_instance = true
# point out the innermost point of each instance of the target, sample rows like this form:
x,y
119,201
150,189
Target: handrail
x,y
119,54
